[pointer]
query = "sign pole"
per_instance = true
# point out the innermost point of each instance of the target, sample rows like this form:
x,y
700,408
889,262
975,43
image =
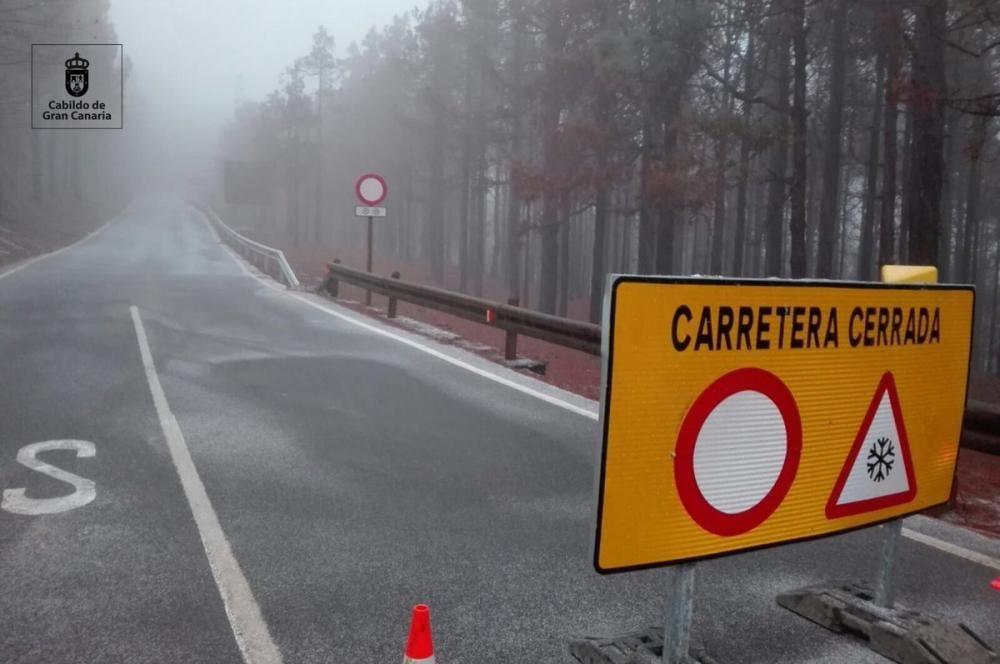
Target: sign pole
x,y
371,190
885,580
677,621
368,263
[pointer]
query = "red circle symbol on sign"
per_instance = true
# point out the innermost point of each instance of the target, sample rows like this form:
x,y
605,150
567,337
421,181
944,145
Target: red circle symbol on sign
x,y
763,394
371,189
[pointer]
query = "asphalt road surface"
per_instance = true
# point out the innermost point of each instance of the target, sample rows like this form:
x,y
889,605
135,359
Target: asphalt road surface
x,y
263,472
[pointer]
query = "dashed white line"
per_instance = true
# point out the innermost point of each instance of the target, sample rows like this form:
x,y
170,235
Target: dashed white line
x,y
251,632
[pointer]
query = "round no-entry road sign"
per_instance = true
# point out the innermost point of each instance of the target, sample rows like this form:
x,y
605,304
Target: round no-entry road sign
x,y
738,451
371,189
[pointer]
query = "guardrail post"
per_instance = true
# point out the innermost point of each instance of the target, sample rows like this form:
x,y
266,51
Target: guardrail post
x,y
510,341
391,313
332,285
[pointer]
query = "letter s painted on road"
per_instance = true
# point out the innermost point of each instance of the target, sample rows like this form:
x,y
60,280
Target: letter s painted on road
x,y
14,500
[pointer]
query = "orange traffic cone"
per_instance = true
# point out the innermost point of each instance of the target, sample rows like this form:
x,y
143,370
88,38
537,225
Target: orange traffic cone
x,y
419,646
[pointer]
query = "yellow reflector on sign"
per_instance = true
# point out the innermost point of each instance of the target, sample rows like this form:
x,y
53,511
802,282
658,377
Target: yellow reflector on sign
x,y
909,274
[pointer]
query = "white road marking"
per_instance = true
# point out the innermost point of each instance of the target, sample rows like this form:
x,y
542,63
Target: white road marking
x,y
16,502
942,545
35,259
252,635
953,549
548,398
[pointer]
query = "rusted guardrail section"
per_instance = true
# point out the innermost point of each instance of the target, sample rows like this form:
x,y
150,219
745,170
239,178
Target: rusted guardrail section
x,y
509,317
266,259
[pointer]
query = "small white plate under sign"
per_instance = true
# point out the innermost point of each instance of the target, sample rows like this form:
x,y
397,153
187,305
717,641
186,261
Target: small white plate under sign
x,y
363,211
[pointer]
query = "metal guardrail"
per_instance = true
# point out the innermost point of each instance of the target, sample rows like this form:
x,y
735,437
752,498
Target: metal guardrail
x,y
266,259
980,430
514,320
981,427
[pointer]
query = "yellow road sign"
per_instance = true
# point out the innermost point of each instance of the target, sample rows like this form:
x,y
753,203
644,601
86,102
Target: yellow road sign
x,y
742,414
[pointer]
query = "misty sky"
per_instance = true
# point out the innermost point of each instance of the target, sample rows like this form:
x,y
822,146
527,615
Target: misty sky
x,y
188,54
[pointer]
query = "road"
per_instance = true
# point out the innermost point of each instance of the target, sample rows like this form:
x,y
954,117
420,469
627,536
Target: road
x,y
333,472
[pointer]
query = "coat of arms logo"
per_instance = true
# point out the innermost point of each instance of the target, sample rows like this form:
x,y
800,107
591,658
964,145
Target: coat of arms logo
x,y
77,80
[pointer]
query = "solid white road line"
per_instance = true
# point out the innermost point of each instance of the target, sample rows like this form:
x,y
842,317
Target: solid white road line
x,y
953,549
34,259
252,635
548,398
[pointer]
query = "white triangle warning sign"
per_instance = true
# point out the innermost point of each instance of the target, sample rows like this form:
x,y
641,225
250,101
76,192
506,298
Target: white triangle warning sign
x,y
878,472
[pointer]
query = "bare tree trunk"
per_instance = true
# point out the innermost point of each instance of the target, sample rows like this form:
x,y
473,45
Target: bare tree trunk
x,y
906,181
549,277
927,141
602,115
968,261
845,175
948,243
565,228
500,199
866,247
465,173
739,234
647,229
829,211
797,222
951,203
666,211
477,233
513,204
721,156
887,219
995,316
777,171
434,223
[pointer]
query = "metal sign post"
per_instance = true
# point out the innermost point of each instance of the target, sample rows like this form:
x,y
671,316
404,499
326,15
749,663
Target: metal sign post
x,y
885,582
677,621
849,399
885,579
371,190
368,262
897,633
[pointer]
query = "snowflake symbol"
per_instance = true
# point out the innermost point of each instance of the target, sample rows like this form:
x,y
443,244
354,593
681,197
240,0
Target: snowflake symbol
x,y
881,456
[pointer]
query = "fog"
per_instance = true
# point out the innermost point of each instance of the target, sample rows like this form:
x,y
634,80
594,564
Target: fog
x,y
531,147
193,61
